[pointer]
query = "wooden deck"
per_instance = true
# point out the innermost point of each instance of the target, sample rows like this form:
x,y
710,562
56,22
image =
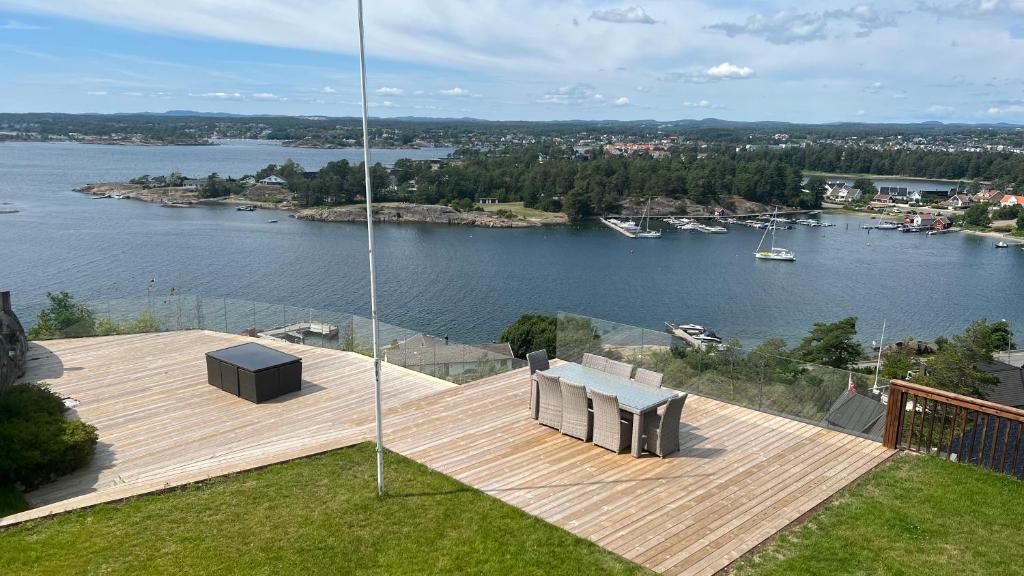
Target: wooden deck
x,y
740,476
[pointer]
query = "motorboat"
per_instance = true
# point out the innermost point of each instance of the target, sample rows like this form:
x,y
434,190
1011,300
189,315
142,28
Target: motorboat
x,y
1002,244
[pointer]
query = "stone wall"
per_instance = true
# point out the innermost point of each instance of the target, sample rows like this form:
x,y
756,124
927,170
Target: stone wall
x,y
13,345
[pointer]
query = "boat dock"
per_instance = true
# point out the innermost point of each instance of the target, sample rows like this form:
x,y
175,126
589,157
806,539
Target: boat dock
x,y
690,340
618,228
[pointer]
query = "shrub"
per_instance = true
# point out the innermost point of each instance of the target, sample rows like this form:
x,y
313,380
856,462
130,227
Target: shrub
x,y
37,444
505,213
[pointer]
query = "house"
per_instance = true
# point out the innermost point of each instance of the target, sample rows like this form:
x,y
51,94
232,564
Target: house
x,y
857,413
914,197
960,201
883,199
441,358
273,180
988,195
248,180
1009,391
920,220
942,223
193,183
899,194
1011,200
487,201
843,192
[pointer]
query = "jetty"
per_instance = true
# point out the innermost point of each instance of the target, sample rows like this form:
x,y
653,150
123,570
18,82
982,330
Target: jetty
x,y
618,229
692,342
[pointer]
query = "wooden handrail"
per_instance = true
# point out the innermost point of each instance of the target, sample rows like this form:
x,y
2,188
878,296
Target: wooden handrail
x,y
958,400
950,425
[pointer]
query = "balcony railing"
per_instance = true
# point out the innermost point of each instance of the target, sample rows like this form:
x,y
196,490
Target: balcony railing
x,y
434,355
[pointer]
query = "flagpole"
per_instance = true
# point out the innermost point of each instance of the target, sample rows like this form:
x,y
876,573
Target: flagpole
x,y
373,271
878,363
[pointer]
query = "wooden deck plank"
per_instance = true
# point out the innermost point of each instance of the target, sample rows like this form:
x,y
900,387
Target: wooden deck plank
x,y
739,477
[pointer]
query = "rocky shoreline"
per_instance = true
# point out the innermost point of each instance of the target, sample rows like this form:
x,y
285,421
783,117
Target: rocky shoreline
x,y
418,213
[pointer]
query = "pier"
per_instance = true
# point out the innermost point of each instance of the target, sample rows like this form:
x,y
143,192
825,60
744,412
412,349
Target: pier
x,y
690,340
618,229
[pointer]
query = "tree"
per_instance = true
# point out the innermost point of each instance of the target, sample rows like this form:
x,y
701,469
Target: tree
x,y
63,318
1020,221
531,332
977,215
816,185
866,186
955,367
831,344
895,366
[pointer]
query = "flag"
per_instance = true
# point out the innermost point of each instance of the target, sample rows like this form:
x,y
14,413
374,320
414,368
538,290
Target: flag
x,y
853,385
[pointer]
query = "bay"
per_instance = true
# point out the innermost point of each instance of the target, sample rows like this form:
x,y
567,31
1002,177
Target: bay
x,y
469,283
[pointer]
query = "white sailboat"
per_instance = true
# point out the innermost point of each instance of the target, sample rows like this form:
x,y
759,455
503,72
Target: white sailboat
x,y
646,221
774,253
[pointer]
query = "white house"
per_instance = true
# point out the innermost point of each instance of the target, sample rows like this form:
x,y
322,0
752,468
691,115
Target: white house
x,y
1012,200
842,192
273,180
960,201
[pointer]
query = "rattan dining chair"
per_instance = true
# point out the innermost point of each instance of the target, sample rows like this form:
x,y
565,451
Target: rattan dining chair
x,y
619,368
577,420
648,377
662,428
594,361
549,412
610,431
537,361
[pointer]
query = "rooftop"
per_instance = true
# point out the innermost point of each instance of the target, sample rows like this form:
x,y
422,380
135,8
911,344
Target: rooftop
x,y
739,477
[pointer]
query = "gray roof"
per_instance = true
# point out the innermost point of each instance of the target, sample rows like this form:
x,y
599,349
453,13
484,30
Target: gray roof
x,y
1010,389
857,413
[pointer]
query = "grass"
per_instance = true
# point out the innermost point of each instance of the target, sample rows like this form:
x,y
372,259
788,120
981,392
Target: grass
x,y
919,515
319,515
11,501
523,212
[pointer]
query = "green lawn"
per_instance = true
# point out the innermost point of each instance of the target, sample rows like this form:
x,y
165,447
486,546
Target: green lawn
x,y
523,212
315,516
916,516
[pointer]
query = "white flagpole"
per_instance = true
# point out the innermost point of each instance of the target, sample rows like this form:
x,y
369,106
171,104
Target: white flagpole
x,y
373,271
878,363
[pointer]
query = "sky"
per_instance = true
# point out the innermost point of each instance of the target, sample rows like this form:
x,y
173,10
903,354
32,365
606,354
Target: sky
x,y
807,61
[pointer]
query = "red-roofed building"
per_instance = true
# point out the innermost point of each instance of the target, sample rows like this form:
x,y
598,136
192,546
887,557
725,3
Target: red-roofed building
x,y
1011,200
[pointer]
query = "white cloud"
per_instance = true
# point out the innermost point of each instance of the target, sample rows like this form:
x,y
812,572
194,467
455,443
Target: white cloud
x,y
727,70
697,104
860,112
328,90
382,104
621,101
642,89
222,95
266,96
132,93
97,93
939,110
389,91
874,88
631,15
456,91
1006,109
19,25
574,94
788,26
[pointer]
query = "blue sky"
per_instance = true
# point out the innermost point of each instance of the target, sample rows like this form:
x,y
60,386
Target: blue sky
x,y
741,60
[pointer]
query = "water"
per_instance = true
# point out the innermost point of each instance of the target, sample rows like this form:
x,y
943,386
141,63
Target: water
x,y
470,283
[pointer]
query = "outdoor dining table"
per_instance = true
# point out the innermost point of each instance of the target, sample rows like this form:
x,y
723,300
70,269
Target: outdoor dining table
x,y
637,399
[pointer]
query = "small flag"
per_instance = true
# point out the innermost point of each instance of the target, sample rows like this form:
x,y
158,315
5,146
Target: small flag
x,y
853,386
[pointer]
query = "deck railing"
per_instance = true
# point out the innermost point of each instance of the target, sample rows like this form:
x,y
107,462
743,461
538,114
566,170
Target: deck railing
x,y
434,355
955,427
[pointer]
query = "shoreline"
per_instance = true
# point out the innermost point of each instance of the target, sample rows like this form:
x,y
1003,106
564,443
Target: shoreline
x,y
887,177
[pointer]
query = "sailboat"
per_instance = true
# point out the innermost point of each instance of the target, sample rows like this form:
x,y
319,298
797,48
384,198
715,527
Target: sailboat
x,y
646,220
774,253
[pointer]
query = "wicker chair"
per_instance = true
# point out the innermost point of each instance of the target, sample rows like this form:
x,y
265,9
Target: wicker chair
x,y
619,368
577,420
648,377
538,360
662,428
549,412
610,431
594,361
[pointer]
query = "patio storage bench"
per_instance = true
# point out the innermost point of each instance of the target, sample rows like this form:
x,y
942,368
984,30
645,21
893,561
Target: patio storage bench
x,y
254,372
